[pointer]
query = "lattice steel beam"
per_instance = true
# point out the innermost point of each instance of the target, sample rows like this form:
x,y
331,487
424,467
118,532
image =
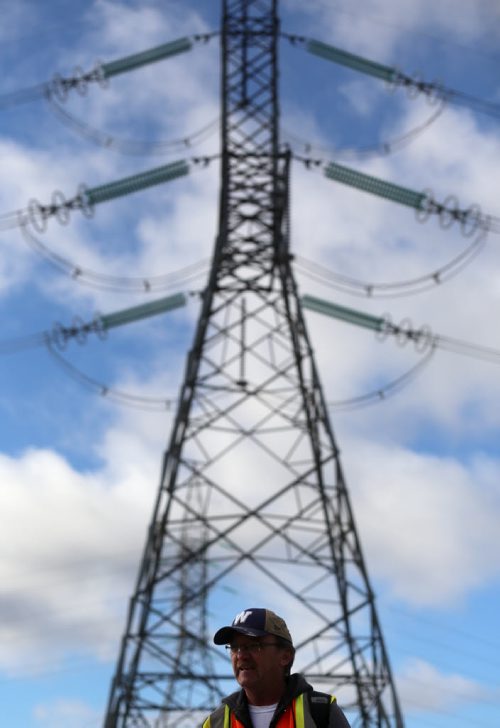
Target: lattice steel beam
x,y
252,507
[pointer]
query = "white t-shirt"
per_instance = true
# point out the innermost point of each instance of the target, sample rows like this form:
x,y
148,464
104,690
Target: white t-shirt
x,y
261,714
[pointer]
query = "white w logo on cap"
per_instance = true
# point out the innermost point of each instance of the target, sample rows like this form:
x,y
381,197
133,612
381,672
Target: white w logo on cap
x,y
242,617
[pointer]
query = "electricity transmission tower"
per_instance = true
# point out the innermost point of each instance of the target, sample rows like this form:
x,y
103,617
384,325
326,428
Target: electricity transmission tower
x,y
252,508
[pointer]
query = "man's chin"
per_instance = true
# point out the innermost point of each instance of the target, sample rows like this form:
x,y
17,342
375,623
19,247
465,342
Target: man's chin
x,y
245,675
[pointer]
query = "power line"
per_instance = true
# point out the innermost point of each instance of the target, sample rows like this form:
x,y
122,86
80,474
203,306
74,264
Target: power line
x,y
423,338
131,146
112,394
394,289
79,331
104,281
391,75
470,219
384,392
60,86
491,641
37,214
383,148
475,49
446,648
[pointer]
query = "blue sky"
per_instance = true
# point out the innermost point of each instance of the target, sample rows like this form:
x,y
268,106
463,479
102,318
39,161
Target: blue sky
x,y
78,471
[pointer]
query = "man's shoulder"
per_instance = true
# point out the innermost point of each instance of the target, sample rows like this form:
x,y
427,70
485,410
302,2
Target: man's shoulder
x,y
234,700
319,704
325,711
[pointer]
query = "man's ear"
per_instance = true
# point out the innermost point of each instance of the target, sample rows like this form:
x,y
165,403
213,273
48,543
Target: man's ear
x,y
286,656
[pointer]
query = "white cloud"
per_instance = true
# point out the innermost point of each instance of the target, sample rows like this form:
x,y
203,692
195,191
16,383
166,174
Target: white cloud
x,y
381,27
373,241
428,523
422,687
70,545
62,713
59,160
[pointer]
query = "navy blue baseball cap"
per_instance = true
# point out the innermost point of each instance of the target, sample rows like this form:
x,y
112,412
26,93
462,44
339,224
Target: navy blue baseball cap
x,y
254,623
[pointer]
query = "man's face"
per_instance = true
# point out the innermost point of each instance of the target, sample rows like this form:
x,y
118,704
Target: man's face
x,y
259,664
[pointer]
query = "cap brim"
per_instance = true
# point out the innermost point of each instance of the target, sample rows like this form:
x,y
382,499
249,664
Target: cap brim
x,y
223,636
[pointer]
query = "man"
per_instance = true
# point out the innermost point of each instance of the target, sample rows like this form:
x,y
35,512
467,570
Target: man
x,y
262,655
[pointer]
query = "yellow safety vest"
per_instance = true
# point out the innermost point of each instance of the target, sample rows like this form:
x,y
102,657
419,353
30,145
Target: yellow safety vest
x,y
297,715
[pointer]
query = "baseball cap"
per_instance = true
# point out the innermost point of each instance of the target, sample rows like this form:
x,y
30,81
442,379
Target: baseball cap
x,y
254,623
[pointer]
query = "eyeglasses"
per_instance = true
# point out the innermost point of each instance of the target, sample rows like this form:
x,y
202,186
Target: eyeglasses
x,y
253,647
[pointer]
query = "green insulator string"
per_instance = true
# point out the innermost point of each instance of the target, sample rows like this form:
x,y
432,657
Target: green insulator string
x,y
145,310
357,63
136,60
136,182
375,186
350,315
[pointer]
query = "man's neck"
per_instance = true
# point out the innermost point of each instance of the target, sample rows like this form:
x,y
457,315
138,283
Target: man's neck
x,y
265,697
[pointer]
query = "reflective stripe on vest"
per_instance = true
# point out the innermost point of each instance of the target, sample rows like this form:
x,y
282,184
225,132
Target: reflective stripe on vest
x,y
298,706
216,722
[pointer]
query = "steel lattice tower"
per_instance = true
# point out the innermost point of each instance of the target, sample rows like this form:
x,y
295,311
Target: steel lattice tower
x,y
252,508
